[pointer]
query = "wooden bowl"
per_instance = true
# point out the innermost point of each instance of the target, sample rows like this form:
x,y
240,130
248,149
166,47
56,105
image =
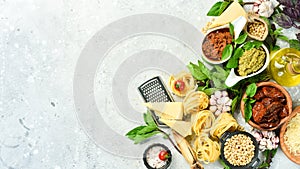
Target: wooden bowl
x,y
288,101
283,146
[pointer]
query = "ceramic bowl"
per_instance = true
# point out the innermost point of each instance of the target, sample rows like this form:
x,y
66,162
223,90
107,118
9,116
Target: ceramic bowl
x,y
283,146
152,153
233,78
238,24
288,102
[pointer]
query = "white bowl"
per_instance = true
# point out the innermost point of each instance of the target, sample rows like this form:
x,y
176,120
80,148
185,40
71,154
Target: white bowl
x,y
238,24
232,78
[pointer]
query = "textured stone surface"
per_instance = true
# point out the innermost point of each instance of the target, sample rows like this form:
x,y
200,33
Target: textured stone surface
x,y
39,47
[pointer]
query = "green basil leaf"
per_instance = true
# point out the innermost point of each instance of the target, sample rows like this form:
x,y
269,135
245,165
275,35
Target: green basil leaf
x,y
252,44
227,52
294,43
148,119
132,133
234,103
214,10
234,60
275,48
223,7
248,111
140,138
204,69
224,165
220,73
196,72
251,90
231,29
252,101
257,44
284,38
201,88
277,32
264,165
241,39
147,129
210,91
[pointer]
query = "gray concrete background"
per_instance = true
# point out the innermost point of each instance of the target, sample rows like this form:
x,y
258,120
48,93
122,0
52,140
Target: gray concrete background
x,y
41,41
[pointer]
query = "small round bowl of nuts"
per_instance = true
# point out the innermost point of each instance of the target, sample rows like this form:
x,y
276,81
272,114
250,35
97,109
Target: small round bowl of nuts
x,y
256,28
239,150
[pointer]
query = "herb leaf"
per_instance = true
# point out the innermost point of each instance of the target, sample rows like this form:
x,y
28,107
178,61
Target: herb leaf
x,y
218,8
248,109
294,43
142,133
139,138
234,103
197,72
214,10
251,90
223,7
241,39
227,52
252,44
148,119
132,133
233,61
231,29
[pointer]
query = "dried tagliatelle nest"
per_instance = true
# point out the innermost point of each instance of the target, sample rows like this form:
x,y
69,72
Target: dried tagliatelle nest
x,y
182,83
194,102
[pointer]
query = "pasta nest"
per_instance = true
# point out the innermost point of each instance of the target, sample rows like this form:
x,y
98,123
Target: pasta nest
x,y
194,102
188,80
224,122
206,149
202,121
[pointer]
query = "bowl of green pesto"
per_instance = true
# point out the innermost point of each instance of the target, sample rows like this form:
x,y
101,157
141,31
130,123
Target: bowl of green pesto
x,y
249,59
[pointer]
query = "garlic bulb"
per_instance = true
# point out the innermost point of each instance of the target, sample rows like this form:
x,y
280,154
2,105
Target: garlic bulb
x,y
264,7
220,102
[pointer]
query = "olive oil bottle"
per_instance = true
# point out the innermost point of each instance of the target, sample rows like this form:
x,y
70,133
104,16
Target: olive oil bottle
x,y
285,67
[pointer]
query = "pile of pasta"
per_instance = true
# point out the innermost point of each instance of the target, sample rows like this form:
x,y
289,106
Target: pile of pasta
x,y
206,128
207,131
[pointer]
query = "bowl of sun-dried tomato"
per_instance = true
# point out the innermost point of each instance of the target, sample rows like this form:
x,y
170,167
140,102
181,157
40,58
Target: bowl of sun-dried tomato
x,y
271,106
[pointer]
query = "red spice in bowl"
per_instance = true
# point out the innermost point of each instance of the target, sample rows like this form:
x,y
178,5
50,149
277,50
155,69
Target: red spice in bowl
x,y
215,42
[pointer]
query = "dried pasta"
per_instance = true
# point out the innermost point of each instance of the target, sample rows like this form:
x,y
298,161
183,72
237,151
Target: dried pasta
x,y
292,135
189,83
194,102
206,149
202,121
224,122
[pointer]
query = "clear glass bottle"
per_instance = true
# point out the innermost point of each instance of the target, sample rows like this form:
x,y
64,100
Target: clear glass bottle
x,y
285,67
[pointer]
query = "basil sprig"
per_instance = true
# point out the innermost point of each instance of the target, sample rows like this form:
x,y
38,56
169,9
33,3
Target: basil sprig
x,y
250,92
142,133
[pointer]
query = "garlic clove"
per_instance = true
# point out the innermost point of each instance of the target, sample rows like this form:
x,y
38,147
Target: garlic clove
x,y
213,108
224,93
218,94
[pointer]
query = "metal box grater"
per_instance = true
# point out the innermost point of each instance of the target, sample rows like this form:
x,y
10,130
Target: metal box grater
x,y
154,90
